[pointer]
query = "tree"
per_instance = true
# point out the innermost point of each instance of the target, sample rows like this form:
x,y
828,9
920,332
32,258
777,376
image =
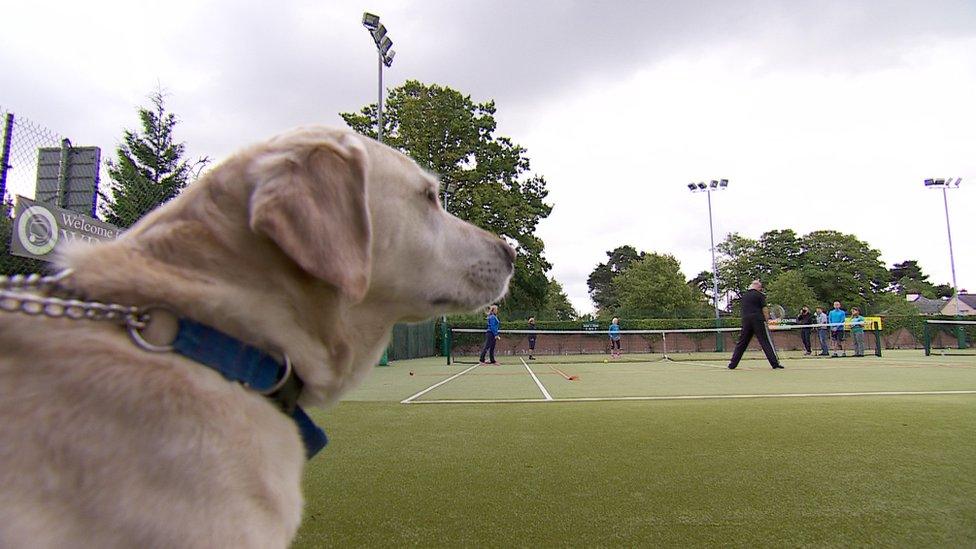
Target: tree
x,y
653,287
907,278
790,291
744,260
149,169
839,267
449,134
894,304
600,281
557,305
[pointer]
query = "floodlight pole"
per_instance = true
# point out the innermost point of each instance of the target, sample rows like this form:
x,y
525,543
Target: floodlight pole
x,y
946,184
952,260
384,55
702,187
379,102
711,235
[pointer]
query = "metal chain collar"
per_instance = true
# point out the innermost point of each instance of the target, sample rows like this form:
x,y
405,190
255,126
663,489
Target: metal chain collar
x,y
14,298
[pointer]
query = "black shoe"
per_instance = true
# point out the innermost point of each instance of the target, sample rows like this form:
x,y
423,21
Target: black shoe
x,y
778,367
531,357
731,367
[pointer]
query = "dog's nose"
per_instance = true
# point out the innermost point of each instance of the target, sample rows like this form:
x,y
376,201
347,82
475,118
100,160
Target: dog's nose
x,y
507,252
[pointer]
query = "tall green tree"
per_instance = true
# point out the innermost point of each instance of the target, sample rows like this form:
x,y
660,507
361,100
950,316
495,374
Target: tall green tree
x,y
788,290
839,267
836,266
654,287
485,177
557,305
600,281
149,168
907,278
743,260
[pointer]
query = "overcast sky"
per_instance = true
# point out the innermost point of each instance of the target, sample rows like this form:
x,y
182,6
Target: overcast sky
x,y
824,115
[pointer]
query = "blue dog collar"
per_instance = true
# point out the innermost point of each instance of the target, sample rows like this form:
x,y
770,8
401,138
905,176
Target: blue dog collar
x,y
254,369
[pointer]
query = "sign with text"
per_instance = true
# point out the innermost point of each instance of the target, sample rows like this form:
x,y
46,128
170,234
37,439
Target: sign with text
x,y
40,228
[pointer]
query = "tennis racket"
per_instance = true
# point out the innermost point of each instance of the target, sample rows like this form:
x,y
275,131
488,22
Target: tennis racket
x,y
776,314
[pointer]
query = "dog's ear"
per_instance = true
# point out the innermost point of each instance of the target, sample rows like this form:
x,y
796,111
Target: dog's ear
x,y
310,199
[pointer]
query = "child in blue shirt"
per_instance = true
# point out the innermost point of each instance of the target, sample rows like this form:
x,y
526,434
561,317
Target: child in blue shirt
x,y
857,331
615,337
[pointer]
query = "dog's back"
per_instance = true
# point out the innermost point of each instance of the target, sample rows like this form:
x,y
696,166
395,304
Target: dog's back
x,y
105,445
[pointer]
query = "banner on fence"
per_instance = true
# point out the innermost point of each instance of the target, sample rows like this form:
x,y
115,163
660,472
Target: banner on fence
x,y
40,228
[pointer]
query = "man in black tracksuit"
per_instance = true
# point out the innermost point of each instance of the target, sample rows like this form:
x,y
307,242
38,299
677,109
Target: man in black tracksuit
x,y
754,318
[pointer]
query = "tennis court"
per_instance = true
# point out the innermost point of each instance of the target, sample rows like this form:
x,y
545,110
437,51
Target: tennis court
x,y
875,451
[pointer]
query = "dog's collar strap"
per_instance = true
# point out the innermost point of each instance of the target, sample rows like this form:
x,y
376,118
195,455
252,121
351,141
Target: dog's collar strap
x,y
252,368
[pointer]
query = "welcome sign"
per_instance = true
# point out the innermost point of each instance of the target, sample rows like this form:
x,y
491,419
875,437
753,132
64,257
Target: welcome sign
x,y
40,228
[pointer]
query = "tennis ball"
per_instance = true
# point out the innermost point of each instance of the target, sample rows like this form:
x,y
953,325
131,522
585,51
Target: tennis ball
x,y
605,361
411,373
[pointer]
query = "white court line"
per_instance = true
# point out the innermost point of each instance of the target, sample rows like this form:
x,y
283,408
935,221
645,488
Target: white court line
x,y
693,397
436,385
545,393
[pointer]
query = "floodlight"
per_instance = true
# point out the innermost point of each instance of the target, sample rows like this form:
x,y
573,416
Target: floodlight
x,y
702,186
929,182
958,181
940,182
378,34
713,184
371,21
723,183
691,186
385,45
388,59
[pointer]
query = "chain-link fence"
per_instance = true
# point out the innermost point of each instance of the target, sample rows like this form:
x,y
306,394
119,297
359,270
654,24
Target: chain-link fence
x,y
20,139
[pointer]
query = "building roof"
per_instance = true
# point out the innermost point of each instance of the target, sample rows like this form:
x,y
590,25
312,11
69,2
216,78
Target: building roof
x,y
928,306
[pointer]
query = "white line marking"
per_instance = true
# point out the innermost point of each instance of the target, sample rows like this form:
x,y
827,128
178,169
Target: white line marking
x,y
692,397
436,385
545,393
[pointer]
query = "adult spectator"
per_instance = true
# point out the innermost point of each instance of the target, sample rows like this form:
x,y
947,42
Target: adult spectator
x,y
836,319
805,318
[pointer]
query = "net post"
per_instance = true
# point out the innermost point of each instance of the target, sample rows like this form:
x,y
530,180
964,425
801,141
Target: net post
x,y
448,345
960,335
927,338
719,340
877,341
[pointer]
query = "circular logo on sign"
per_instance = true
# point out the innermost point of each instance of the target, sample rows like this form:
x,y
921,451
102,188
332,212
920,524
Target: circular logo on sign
x,y
37,230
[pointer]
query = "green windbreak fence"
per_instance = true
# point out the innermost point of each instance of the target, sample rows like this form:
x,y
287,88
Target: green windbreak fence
x,y
412,341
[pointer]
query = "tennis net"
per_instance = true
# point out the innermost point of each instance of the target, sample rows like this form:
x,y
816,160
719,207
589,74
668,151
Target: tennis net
x,y
950,337
571,346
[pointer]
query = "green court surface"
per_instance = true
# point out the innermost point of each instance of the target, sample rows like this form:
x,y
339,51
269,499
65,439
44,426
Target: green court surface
x,y
828,452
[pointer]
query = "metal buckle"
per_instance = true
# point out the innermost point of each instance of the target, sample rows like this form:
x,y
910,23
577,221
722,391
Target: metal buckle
x,y
137,325
282,381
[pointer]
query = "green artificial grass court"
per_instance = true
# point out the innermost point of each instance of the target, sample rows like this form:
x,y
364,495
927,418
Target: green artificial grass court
x,y
893,470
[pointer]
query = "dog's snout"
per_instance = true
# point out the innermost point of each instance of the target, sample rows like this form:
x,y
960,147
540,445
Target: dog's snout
x,y
507,252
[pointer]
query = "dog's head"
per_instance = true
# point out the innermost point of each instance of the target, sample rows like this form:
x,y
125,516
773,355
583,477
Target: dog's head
x,y
367,220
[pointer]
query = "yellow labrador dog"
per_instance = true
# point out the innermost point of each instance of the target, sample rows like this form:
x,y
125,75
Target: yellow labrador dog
x,y
311,246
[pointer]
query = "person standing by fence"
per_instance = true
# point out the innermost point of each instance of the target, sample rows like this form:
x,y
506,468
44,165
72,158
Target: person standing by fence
x,y
823,331
491,336
857,331
836,318
615,338
531,338
805,319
